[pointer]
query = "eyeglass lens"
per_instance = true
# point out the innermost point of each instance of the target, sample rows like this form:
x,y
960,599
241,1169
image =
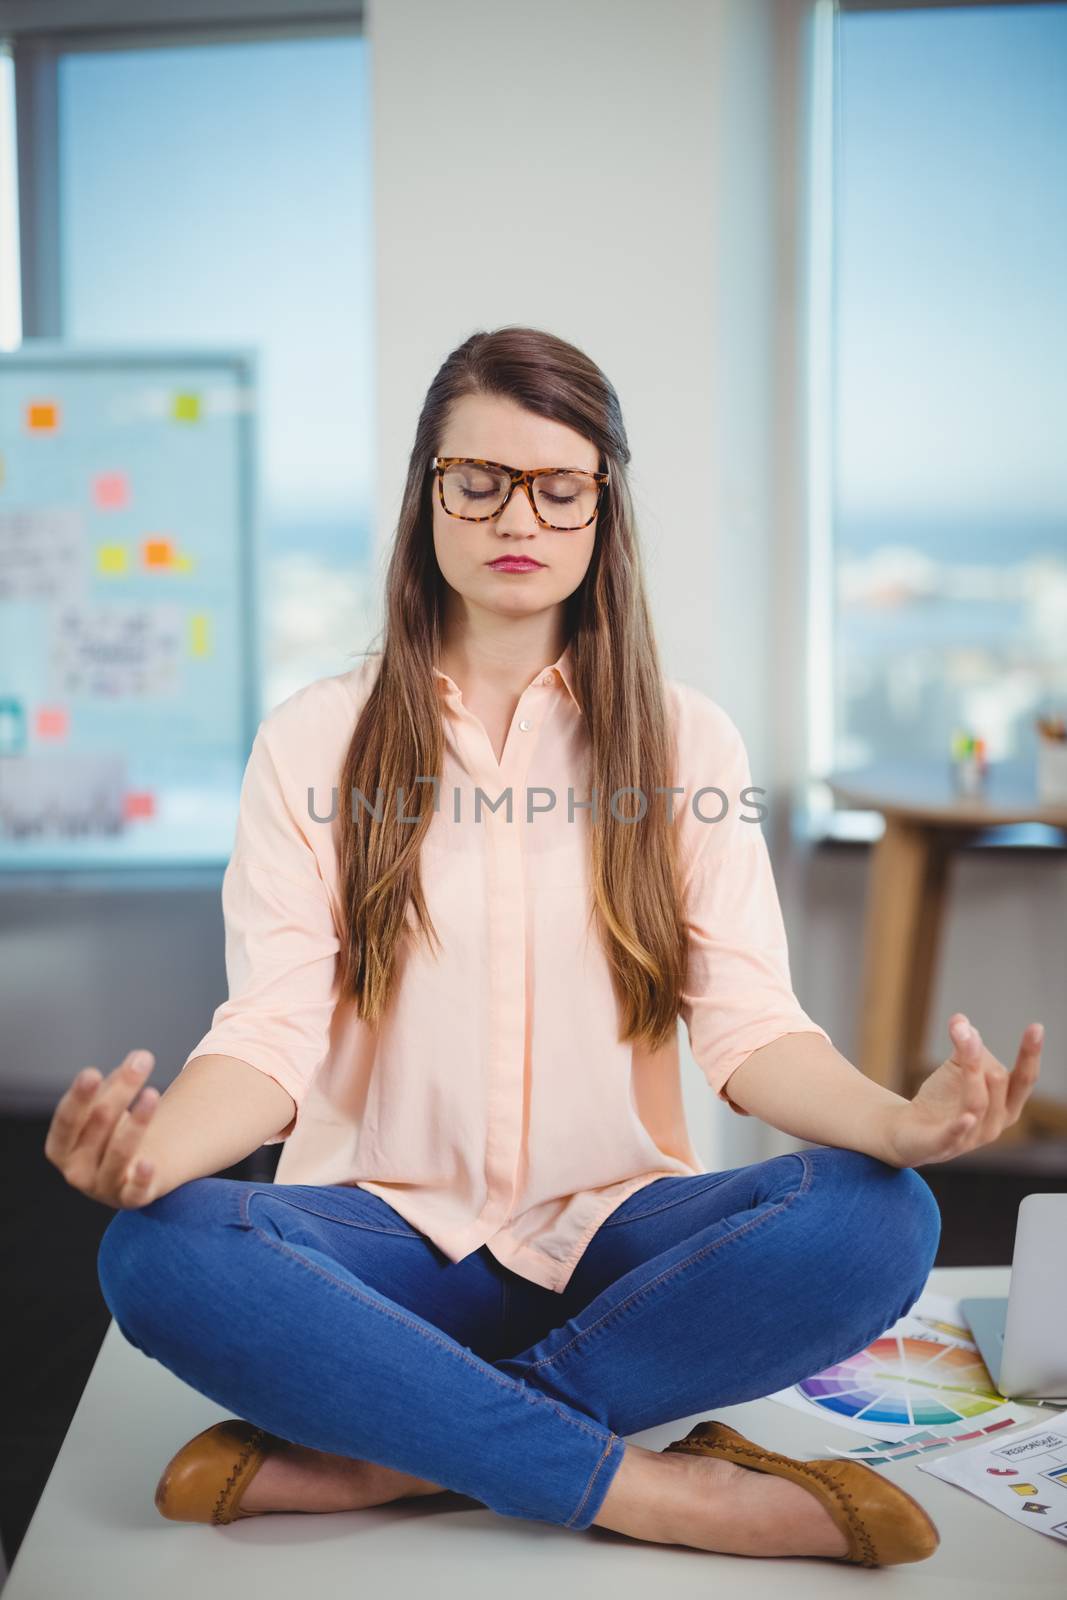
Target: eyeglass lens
x,y
563,499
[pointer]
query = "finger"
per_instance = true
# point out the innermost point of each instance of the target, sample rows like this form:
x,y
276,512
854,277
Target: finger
x,y
136,1186
70,1114
111,1099
126,1137
999,1084
968,1054
997,1078
963,1134
80,1101
1026,1071
952,1138
966,1041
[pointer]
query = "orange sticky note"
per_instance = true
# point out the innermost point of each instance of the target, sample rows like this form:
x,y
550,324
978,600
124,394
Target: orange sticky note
x,y
111,490
157,552
52,722
42,416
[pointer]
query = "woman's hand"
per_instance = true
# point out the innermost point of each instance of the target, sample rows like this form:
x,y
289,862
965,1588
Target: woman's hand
x,y
967,1101
94,1139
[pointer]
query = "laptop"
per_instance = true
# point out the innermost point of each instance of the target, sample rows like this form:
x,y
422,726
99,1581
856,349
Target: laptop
x,y
1022,1336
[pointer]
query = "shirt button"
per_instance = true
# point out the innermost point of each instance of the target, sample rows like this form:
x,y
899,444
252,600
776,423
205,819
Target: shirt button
x,y
525,725
549,677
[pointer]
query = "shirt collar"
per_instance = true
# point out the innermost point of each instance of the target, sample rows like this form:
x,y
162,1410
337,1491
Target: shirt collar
x,y
563,667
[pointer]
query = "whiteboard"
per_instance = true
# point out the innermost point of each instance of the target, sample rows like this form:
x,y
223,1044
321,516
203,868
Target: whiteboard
x,y
128,605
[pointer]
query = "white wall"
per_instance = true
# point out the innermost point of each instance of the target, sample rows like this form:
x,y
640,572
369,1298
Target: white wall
x,y
662,135
674,133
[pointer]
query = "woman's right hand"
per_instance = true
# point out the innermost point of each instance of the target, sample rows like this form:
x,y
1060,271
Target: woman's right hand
x,y
94,1139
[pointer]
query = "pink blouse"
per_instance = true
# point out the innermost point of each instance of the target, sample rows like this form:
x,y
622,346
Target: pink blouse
x,y
494,1104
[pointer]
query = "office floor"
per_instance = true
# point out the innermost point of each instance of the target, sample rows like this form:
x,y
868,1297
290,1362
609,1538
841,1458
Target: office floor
x,y
57,1320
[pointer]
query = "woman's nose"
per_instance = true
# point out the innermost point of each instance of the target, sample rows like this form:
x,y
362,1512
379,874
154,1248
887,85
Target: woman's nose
x,y
518,515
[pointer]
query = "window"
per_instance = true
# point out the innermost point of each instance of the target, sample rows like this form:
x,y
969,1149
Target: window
x,y
948,330
220,194
195,249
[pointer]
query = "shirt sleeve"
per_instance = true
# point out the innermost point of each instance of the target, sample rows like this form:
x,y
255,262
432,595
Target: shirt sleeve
x,y
281,940
738,994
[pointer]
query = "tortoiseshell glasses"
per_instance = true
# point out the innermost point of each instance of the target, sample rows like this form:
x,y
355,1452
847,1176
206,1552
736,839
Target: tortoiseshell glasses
x,y
477,491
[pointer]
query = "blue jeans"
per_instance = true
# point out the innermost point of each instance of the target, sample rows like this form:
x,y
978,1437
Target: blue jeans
x,y
318,1313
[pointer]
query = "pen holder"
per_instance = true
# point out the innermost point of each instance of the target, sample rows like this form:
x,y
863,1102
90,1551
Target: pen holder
x,y
968,776
1052,771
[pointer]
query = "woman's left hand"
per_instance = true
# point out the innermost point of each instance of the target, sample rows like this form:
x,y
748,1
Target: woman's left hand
x,y
967,1101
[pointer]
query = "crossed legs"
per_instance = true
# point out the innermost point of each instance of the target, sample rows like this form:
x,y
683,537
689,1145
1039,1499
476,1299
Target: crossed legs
x,y
694,1294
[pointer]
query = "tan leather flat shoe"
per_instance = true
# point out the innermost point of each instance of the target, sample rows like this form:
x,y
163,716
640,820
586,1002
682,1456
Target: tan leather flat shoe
x,y
883,1525
204,1482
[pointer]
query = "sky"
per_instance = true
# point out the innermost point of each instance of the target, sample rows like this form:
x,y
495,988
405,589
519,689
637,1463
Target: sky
x,y
222,194
951,260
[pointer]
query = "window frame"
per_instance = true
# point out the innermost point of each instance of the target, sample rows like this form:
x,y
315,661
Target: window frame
x,y
815,820
36,41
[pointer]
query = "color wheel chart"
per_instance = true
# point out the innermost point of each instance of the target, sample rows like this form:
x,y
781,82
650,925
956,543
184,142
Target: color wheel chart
x,y
919,1386
906,1380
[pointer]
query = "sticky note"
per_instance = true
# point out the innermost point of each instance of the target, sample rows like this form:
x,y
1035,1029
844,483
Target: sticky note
x,y
138,803
157,553
184,563
52,722
185,408
42,416
111,491
112,559
200,634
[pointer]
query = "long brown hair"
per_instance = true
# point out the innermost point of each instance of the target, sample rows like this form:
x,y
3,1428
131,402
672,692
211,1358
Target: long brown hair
x,y
617,680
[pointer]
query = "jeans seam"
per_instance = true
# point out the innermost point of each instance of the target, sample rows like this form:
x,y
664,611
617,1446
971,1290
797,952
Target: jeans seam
x,y
454,1349
672,1272
576,1513
344,1222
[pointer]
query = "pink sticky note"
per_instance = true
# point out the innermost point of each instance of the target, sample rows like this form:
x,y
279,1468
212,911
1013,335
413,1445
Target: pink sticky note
x,y
139,803
111,490
52,722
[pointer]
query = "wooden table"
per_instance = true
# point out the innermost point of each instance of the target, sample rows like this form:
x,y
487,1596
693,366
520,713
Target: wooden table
x,y
926,819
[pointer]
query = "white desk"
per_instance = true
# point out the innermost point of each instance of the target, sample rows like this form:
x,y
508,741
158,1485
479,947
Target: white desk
x,y
97,1535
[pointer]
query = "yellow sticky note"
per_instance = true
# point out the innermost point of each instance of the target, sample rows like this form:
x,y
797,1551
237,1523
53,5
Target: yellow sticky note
x,y
112,558
184,563
185,408
200,634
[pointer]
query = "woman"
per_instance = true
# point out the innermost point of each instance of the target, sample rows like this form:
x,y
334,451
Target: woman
x,y
491,1252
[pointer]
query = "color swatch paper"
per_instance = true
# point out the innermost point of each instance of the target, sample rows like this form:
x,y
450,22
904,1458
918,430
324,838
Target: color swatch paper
x,y
1024,1475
